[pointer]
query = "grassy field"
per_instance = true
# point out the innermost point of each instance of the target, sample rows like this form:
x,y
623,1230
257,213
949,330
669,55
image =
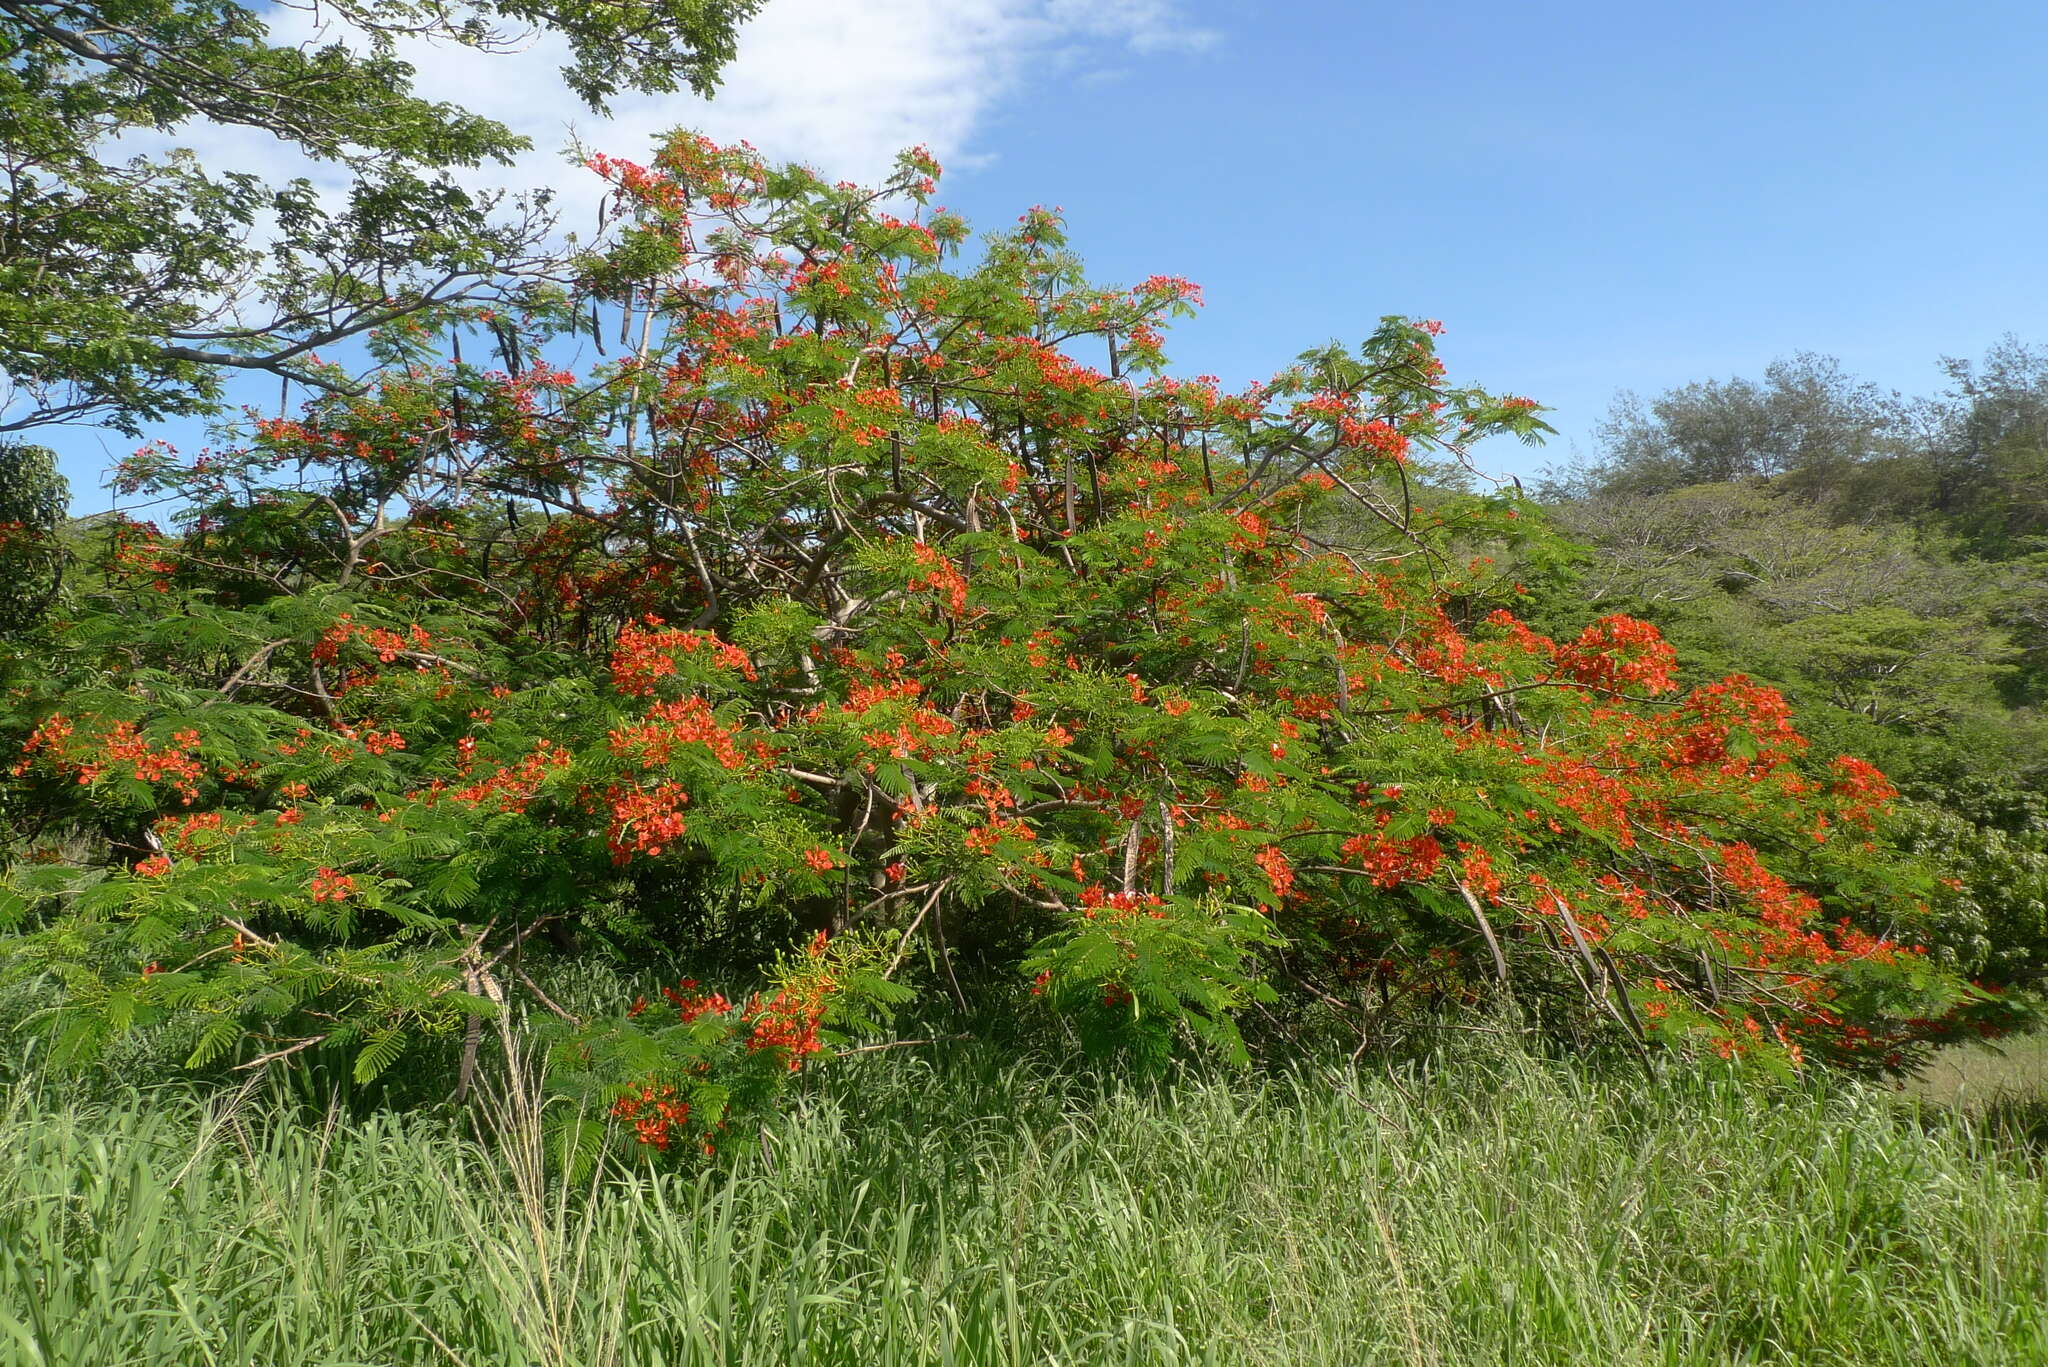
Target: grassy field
x,y
960,1209
1978,1078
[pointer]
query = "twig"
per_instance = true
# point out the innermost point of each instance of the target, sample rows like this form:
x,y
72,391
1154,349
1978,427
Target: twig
x,y
511,944
903,947
1500,963
249,667
545,999
249,934
286,1052
899,1044
945,955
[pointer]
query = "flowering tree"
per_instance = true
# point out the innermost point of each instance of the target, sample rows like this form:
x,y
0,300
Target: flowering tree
x,y
853,598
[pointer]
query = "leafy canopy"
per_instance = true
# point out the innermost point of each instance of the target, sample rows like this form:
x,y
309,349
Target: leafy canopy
x,y
130,283
902,612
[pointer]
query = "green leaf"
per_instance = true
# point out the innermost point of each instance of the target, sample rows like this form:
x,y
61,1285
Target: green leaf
x,y
383,1049
219,1035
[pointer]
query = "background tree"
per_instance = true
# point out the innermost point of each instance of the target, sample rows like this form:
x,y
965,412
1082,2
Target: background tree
x,y
1989,448
1805,421
130,284
33,496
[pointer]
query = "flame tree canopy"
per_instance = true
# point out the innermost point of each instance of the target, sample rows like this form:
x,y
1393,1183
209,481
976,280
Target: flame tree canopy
x,y
903,608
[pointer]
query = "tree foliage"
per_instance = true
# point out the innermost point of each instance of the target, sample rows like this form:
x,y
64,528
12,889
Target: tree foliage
x,y
33,496
900,608
130,283
1806,420
1972,460
1883,562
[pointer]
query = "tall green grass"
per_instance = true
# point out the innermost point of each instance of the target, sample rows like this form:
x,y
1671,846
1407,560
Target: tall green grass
x,y
956,1208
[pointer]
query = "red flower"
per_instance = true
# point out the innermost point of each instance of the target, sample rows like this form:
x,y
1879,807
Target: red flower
x,y
1278,871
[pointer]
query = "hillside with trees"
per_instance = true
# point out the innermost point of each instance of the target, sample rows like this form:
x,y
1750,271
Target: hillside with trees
x,y
1884,563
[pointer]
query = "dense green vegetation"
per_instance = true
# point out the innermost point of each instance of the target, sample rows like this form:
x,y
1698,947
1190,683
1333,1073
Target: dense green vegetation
x,y
1176,876
1884,563
852,617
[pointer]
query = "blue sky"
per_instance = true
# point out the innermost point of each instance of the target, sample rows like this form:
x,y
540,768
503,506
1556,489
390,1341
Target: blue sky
x,y
1592,197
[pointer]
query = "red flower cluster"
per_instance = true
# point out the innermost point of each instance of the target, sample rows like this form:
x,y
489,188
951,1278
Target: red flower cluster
x,y
1617,652
192,834
690,1004
1476,871
1861,788
688,721
655,1114
139,548
785,1022
1095,900
1394,862
388,645
513,787
642,657
1700,731
119,745
645,821
1279,873
941,576
1377,438
1778,904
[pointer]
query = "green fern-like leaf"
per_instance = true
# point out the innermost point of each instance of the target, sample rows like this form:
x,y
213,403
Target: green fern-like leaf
x,y
380,1053
220,1035
453,886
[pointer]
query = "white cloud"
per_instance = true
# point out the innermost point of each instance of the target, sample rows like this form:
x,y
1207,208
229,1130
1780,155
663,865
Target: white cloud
x,y
840,84
845,84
